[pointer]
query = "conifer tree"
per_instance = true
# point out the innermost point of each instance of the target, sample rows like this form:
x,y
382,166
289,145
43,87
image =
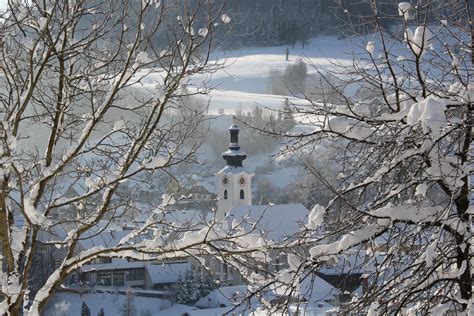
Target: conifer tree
x,y
85,311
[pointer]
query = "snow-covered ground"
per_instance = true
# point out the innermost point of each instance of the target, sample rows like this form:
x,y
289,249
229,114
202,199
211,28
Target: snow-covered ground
x,y
218,302
64,304
243,82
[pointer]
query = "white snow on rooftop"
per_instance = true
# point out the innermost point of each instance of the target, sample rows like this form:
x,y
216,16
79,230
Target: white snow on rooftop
x,y
223,296
106,238
316,290
167,272
177,309
114,265
234,153
276,221
235,170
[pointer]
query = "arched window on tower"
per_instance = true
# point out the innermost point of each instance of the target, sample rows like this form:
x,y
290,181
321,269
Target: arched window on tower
x,y
242,194
225,194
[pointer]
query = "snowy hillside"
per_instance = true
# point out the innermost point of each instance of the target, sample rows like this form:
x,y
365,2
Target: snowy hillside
x,y
243,83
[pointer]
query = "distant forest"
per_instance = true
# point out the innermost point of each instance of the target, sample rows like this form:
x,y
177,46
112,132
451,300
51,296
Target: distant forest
x,y
292,22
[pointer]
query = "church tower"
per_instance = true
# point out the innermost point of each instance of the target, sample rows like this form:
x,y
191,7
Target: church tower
x,y
233,183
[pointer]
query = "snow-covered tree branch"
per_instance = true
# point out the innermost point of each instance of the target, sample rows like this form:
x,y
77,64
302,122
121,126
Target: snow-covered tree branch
x,y
92,102
404,119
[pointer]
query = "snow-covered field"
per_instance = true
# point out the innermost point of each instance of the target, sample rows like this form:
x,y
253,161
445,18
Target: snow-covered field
x,y
243,82
240,85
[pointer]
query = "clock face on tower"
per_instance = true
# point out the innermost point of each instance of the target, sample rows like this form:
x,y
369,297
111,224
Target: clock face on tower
x,y
242,180
225,180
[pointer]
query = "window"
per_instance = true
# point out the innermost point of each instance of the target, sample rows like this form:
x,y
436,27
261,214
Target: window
x,y
242,194
281,261
225,194
104,278
118,279
136,275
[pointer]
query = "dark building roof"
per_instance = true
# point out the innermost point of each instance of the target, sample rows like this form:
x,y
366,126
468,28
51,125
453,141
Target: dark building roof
x,y
234,156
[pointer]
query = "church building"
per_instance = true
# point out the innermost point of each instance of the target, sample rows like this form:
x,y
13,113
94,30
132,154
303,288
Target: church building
x,y
233,182
234,196
234,203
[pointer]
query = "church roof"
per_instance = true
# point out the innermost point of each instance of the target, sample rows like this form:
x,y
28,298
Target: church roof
x,y
200,188
233,152
234,127
234,170
276,221
234,156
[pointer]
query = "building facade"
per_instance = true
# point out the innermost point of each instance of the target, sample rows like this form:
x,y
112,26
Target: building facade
x,y
233,182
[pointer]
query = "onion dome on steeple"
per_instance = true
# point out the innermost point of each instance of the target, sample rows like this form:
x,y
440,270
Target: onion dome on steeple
x,y
234,156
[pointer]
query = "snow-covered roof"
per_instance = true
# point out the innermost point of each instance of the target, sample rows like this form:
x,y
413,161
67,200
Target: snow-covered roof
x,y
199,188
234,152
223,296
105,238
276,221
167,272
116,264
57,233
177,309
208,186
316,290
353,262
235,170
184,217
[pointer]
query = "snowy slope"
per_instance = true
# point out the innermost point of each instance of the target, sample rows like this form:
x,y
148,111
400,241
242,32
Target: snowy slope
x,y
240,84
232,100
243,82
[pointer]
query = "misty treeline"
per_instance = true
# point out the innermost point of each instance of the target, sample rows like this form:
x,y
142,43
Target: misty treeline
x,y
255,143
262,22
282,22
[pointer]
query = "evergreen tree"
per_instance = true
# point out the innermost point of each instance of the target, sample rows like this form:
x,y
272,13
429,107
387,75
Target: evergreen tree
x,y
295,77
192,286
85,311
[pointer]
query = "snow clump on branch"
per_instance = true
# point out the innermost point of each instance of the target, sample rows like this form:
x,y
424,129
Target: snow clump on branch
x,y
403,9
